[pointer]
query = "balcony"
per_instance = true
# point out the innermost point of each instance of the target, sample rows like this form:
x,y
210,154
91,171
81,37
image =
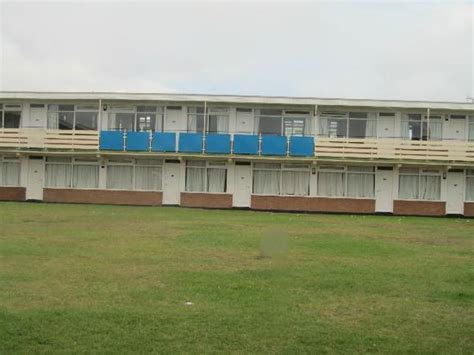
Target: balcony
x,y
333,149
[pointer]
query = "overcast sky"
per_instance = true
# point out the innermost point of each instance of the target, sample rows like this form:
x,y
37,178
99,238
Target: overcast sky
x,y
392,50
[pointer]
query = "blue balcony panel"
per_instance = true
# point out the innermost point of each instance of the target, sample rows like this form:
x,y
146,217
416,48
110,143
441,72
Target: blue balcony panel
x,y
138,141
218,144
301,146
111,140
190,142
245,144
164,142
273,145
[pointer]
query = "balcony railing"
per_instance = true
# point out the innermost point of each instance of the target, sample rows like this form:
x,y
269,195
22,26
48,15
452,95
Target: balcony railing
x,y
38,138
238,144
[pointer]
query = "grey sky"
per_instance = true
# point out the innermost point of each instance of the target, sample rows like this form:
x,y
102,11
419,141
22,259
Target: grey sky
x,y
396,50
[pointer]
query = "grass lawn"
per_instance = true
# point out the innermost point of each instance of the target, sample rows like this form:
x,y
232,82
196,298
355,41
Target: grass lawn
x,y
88,278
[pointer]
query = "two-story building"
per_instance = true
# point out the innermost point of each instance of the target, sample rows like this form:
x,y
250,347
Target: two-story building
x,y
222,151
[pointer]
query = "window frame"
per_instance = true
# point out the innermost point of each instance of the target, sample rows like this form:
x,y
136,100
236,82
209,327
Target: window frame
x,y
77,108
326,116
9,159
345,170
134,163
6,107
420,173
423,121
469,174
72,163
134,110
283,167
208,164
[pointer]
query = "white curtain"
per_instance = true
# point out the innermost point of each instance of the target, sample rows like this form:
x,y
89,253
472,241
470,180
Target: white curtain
x,y
470,188
148,178
430,187
85,176
323,126
58,175
408,187
222,123
471,129
295,183
53,120
266,182
216,180
405,129
331,183
120,177
371,128
360,185
10,174
195,179
436,129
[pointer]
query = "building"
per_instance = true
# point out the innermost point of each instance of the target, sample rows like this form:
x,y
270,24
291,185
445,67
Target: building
x,y
219,151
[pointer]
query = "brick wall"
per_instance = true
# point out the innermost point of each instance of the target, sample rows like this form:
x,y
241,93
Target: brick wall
x,y
469,209
312,204
419,208
11,193
207,200
110,197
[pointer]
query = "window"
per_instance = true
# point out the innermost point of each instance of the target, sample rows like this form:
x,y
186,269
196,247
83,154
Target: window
x,y
348,124
195,118
470,185
419,184
73,117
72,173
202,176
278,122
9,171
139,118
138,174
10,116
415,126
218,120
471,129
280,179
351,181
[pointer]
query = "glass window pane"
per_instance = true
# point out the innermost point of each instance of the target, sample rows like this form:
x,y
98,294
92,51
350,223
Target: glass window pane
x,y
12,119
195,179
408,187
216,180
58,175
10,174
120,177
122,121
66,107
148,178
146,108
146,122
86,121
266,182
360,185
295,183
270,125
66,120
337,128
330,183
85,176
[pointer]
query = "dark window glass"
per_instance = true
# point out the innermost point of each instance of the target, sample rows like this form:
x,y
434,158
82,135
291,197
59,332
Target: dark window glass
x,y
270,125
337,128
270,112
146,121
415,130
66,120
357,128
146,108
358,114
86,121
66,107
12,119
124,121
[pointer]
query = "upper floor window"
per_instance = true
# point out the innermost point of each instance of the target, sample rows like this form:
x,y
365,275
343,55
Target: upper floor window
x,y
348,124
69,117
9,171
281,179
281,122
419,184
195,119
471,129
350,181
217,119
10,116
202,176
136,118
415,126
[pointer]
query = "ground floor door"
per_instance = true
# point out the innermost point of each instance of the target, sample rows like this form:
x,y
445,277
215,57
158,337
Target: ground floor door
x,y
35,181
383,191
171,179
455,193
243,185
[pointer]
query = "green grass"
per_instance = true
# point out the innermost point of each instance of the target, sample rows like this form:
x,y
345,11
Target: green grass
x,y
82,278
